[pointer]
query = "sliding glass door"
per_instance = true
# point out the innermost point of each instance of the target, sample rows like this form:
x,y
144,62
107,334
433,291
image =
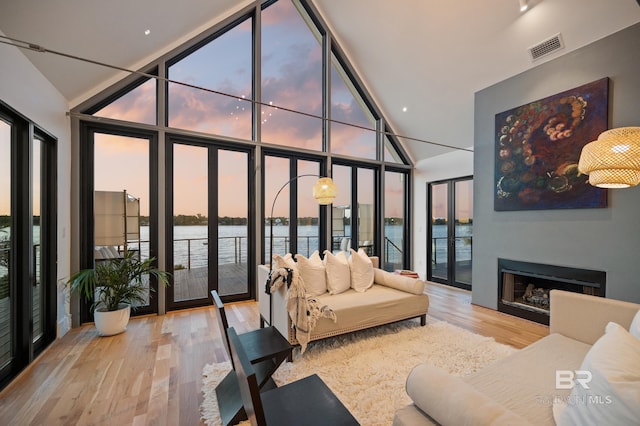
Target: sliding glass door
x,y
209,225
450,232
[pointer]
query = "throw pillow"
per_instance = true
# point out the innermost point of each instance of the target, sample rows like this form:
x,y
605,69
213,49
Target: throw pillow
x,y
399,282
634,329
285,261
614,389
361,271
313,275
338,272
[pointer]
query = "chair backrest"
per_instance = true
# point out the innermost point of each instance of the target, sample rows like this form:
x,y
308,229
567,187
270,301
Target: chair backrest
x,y
249,389
223,324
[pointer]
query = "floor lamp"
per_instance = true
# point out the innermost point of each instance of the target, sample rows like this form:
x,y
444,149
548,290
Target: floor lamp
x,y
324,191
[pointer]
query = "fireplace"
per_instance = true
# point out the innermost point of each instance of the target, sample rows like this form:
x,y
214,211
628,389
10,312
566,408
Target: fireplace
x,y
523,287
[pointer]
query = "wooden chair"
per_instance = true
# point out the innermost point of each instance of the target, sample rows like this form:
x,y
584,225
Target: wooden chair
x,y
305,402
266,350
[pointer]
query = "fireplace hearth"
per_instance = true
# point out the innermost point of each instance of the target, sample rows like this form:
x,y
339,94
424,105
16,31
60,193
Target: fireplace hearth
x,y
523,287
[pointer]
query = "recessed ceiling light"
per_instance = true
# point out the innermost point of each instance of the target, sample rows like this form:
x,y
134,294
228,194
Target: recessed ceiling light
x,y
147,32
404,109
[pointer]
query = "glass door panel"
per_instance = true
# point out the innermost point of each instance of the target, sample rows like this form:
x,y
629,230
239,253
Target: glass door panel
x,y
233,223
276,175
121,199
366,210
308,209
463,230
6,354
190,222
440,231
394,228
341,210
38,298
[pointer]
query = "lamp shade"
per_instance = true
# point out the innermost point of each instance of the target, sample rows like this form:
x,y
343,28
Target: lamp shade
x,y
324,191
613,161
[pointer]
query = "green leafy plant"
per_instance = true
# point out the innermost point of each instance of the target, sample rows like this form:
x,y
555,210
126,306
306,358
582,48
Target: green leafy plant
x,y
117,281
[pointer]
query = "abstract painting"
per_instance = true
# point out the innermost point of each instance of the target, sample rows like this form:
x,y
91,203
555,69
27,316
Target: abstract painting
x,y
538,146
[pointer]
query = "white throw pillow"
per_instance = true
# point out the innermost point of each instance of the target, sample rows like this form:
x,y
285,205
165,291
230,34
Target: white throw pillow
x,y
313,274
613,397
285,261
338,272
634,329
361,271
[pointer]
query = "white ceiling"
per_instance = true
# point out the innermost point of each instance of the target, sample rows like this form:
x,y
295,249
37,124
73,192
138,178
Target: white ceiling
x,y
430,56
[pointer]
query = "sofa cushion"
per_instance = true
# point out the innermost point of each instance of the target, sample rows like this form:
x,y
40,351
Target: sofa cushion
x,y
525,381
613,394
451,401
388,279
338,272
312,272
361,270
379,305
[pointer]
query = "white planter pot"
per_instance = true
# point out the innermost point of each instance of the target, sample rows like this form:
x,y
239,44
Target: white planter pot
x,y
109,323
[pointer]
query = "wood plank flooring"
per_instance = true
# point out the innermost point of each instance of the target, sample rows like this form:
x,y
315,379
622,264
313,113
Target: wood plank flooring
x,y
151,374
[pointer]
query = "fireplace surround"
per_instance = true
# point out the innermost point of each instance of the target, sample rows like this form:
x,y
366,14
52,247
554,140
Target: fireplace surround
x,y
523,287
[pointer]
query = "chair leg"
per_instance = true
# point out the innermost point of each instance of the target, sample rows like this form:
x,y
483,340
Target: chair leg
x,y
423,320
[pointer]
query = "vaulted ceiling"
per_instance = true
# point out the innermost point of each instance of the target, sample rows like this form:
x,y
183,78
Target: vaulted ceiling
x,y
428,56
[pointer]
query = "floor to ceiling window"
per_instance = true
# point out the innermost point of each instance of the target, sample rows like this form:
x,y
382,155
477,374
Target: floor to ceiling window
x,y
228,119
27,242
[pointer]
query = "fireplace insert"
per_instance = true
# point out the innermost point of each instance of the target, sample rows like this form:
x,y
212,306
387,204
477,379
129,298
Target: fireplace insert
x,y
523,287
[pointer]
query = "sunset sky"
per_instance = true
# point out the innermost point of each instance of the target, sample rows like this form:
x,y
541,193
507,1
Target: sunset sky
x,y
291,78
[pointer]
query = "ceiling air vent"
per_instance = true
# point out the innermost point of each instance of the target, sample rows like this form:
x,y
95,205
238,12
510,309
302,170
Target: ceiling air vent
x,y
548,46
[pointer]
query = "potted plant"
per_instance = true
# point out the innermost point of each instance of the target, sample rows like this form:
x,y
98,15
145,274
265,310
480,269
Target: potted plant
x,y
116,286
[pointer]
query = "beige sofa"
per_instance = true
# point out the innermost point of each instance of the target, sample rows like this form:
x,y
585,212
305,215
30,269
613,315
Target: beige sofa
x,y
391,298
519,389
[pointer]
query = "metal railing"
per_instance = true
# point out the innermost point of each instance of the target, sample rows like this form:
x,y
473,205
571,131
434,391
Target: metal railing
x,y
395,256
466,241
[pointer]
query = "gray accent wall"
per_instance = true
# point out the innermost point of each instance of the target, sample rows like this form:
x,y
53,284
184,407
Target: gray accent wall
x,y
606,239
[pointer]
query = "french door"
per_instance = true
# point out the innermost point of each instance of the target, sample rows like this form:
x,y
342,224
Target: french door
x,y
450,232
27,242
209,221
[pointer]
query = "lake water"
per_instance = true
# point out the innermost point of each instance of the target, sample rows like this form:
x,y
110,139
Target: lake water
x,y
190,242
464,232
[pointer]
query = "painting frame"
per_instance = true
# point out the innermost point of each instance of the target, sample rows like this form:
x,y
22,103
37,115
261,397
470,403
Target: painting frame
x,y
538,145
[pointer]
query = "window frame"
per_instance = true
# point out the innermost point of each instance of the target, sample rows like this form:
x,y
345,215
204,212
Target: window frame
x,y
21,264
86,207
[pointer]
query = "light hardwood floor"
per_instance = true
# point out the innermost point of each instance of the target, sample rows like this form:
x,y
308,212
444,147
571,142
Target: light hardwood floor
x,y
151,374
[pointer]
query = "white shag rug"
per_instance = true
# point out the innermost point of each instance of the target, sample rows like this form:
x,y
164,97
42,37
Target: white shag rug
x,y
368,369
